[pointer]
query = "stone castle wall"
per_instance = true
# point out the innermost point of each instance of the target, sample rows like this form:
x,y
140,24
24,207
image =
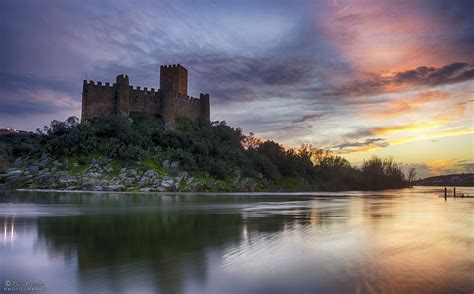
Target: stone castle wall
x,y
144,101
99,100
187,106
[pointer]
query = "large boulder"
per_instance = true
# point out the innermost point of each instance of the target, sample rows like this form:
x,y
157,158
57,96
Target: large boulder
x,y
167,182
33,168
18,162
46,179
149,173
132,172
13,174
250,184
160,189
129,181
143,181
65,179
174,164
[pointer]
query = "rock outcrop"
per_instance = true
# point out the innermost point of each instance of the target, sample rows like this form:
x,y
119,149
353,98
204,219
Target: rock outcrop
x,y
104,175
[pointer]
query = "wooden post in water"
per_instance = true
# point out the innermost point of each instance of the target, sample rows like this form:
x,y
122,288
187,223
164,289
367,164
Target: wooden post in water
x,y
454,191
445,193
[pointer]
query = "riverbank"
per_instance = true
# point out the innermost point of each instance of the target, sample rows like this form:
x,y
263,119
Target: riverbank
x,y
103,174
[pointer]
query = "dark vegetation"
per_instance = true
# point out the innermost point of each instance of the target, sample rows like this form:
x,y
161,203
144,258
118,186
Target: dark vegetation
x,y
466,180
215,148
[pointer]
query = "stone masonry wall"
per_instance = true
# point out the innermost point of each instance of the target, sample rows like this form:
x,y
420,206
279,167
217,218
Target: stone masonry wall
x,y
187,106
145,101
99,100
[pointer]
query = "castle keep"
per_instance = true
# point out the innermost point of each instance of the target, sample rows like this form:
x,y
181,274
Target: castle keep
x,y
170,101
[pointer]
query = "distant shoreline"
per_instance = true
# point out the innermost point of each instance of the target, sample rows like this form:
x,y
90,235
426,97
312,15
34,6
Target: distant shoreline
x,y
452,180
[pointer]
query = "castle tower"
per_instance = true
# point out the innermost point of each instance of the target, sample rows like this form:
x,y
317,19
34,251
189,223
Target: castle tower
x,y
205,114
85,102
177,75
123,95
168,103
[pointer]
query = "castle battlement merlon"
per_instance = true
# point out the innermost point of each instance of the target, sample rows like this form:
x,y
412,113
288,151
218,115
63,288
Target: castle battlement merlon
x,y
170,101
171,65
97,84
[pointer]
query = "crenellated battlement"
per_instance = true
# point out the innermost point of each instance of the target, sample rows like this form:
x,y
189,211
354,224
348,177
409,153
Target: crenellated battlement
x,y
170,100
98,85
188,98
171,66
145,91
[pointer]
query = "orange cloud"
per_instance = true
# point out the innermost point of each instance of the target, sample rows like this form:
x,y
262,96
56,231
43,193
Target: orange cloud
x,y
359,149
409,139
417,126
432,136
455,113
400,107
437,164
374,40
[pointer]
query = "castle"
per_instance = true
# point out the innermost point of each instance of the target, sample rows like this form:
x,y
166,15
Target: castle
x,y
170,101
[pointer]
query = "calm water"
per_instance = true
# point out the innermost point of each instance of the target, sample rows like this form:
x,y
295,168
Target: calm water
x,y
398,241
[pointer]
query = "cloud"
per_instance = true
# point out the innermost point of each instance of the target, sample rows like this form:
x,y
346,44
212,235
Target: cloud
x,y
431,126
432,135
25,107
439,167
378,142
465,102
308,117
375,84
423,75
398,107
359,30
23,95
438,164
27,82
467,166
364,132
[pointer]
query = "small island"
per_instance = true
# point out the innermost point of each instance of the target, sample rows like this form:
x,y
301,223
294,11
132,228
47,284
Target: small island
x,y
141,154
163,141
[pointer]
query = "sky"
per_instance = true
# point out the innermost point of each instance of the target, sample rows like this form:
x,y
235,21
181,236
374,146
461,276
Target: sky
x,y
361,78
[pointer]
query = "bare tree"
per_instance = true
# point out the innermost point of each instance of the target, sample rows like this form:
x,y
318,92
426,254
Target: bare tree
x,y
411,176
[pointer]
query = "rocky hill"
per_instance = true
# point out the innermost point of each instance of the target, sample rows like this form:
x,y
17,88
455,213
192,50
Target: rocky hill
x,y
102,174
466,180
142,154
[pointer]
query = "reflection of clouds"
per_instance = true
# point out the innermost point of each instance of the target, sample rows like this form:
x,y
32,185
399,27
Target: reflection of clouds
x,y
291,243
369,244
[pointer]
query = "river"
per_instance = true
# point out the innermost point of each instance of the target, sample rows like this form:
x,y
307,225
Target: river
x,y
394,241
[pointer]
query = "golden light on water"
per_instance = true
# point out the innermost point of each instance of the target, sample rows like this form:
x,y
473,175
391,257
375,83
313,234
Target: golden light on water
x,y
8,229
